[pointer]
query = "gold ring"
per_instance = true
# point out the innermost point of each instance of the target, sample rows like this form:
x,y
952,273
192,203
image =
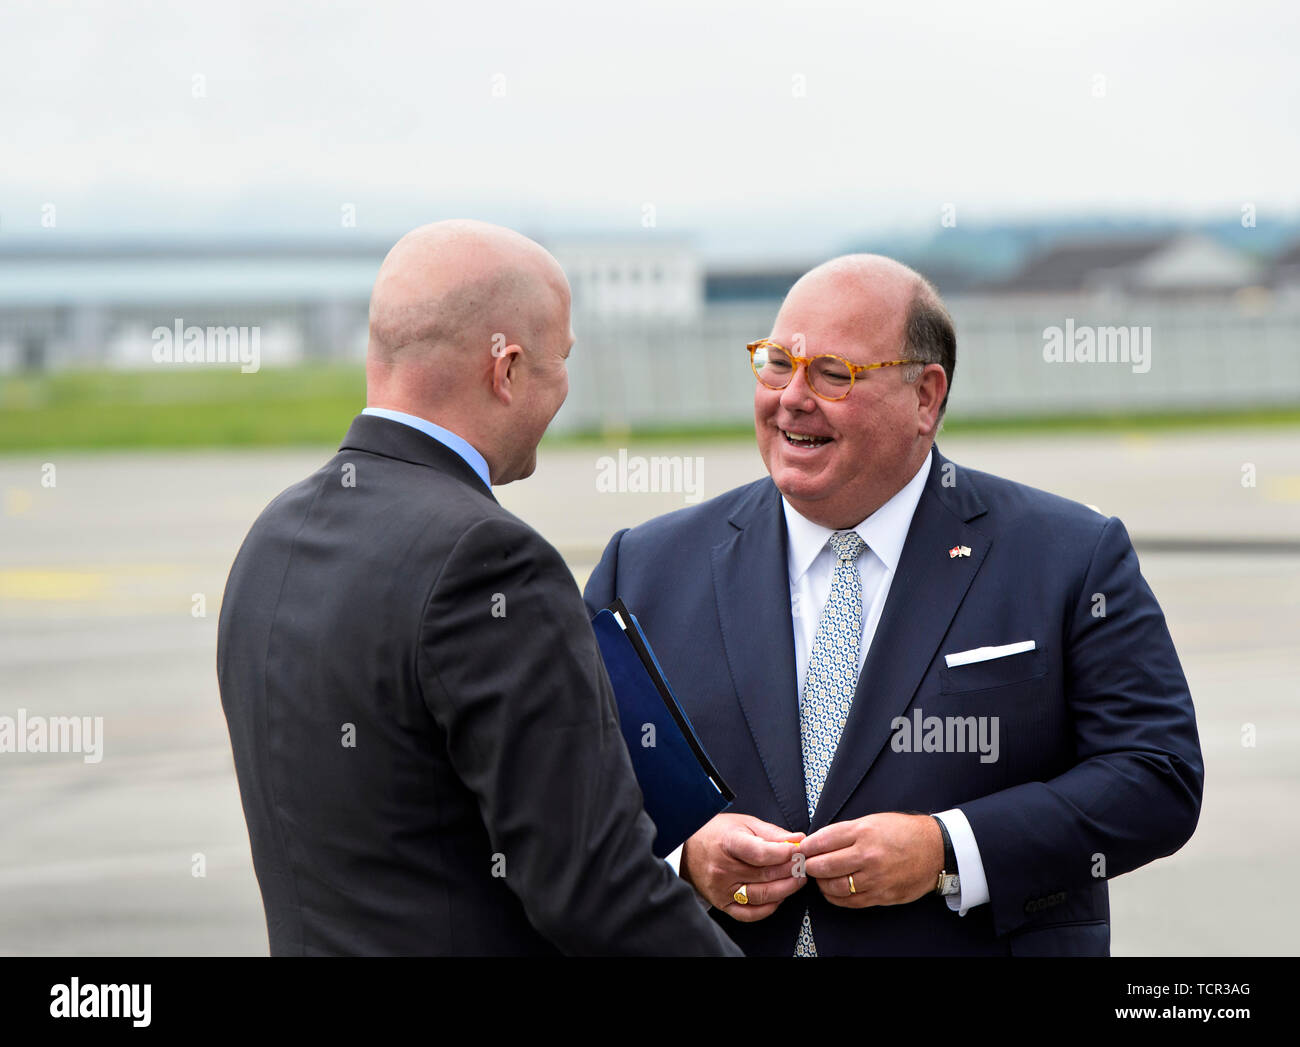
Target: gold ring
x,y
742,895
852,889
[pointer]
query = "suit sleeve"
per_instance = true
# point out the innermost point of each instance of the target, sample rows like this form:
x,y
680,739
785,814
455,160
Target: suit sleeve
x,y
1134,794
510,670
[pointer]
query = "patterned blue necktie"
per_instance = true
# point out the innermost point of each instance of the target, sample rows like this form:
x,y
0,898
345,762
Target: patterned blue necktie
x,y
830,681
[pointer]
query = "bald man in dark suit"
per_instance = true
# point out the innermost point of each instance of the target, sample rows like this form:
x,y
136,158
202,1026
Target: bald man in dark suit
x,y
427,746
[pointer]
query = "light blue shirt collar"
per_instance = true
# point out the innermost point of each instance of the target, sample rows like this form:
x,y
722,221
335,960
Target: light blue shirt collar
x,y
444,436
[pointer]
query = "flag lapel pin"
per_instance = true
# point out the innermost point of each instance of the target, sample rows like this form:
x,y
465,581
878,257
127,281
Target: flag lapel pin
x,y
958,550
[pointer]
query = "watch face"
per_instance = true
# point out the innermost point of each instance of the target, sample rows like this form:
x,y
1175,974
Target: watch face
x,y
951,885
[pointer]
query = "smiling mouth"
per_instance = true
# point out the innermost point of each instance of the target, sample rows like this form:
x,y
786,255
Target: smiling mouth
x,y
805,439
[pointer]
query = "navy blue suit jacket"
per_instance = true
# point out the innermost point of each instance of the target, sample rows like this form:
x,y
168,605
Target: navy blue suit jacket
x,y
1099,767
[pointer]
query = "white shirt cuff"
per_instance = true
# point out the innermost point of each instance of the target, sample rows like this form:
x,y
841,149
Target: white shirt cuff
x,y
970,866
674,861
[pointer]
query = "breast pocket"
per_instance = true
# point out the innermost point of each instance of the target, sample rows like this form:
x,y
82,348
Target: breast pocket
x,y
996,672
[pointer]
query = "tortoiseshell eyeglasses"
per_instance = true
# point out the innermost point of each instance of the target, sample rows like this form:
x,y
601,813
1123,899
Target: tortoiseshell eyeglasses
x,y
829,376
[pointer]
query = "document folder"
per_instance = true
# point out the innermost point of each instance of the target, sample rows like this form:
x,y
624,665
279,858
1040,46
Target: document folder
x,y
681,787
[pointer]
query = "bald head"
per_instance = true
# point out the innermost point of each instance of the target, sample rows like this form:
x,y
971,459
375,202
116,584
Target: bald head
x,y
452,286
469,328
866,292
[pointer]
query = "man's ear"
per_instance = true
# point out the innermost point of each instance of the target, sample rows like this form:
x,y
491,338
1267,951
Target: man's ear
x,y
931,388
505,370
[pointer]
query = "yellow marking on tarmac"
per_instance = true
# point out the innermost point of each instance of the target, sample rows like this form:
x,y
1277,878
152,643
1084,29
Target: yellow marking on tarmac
x,y
88,584
17,501
1139,445
1282,488
23,584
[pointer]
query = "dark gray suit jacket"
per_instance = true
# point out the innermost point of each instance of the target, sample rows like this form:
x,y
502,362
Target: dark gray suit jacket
x,y
427,746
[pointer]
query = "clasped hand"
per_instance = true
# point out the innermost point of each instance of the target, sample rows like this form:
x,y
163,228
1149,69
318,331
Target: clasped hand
x,y
892,859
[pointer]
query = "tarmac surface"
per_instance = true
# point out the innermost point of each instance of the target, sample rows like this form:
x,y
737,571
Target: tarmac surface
x,y
104,573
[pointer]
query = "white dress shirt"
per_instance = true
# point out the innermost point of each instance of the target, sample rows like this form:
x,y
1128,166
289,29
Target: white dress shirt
x,y
811,563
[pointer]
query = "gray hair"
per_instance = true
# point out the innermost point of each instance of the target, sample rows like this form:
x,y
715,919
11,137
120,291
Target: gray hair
x,y
930,337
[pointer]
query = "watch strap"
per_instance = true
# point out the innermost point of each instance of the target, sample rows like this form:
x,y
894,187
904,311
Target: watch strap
x,y
949,855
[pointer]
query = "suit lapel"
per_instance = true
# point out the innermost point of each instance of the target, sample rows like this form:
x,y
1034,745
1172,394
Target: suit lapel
x,y
928,587
751,583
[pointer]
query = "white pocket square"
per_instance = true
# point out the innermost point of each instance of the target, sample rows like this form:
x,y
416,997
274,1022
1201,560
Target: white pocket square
x,y
985,654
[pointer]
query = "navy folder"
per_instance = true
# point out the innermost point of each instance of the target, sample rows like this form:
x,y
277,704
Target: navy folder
x,y
681,787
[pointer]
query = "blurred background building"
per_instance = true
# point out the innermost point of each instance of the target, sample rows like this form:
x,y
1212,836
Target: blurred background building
x,y
648,308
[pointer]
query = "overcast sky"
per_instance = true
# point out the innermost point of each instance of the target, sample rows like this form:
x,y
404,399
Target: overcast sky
x,y
552,116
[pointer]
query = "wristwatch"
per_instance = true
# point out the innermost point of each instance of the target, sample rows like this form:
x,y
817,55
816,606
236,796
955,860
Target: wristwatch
x,y
949,882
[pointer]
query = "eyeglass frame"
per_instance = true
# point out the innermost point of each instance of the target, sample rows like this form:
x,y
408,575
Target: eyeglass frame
x,y
804,361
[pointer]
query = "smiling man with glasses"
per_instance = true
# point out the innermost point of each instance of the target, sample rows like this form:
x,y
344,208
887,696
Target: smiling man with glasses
x,y
811,619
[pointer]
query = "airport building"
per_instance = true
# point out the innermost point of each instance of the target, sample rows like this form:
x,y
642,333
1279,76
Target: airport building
x,y
1176,322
